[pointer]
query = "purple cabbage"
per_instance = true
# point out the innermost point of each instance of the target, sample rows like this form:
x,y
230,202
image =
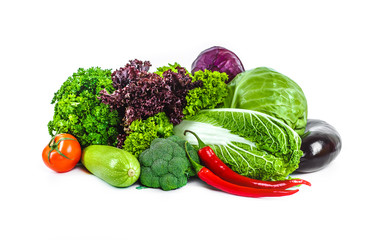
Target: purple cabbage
x,y
218,59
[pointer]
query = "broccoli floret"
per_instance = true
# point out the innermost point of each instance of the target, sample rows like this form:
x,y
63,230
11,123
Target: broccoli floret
x,y
165,164
191,151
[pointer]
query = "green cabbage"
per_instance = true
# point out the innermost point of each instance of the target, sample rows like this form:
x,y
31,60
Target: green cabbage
x,y
265,90
253,144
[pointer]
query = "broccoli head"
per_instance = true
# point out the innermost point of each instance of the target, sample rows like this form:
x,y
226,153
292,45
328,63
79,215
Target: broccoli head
x,y
165,164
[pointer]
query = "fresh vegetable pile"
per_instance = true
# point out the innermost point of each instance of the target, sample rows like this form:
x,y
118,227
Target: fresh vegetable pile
x,y
242,131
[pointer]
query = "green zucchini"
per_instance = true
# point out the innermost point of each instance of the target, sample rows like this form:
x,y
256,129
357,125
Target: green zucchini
x,y
115,166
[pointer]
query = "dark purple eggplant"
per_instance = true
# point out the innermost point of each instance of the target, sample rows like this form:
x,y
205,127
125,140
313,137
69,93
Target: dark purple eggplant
x,y
321,143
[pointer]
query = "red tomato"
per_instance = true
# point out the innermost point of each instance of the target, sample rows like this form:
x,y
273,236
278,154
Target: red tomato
x,y
62,153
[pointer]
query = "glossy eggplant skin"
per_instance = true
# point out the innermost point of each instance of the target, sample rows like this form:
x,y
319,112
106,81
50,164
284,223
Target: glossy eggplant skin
x,y
321,143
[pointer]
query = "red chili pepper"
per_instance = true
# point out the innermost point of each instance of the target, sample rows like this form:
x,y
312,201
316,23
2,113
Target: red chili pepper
x,y
210,178
214,163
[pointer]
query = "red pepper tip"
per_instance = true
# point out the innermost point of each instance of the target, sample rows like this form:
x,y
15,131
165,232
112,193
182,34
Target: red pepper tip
x,y
307,183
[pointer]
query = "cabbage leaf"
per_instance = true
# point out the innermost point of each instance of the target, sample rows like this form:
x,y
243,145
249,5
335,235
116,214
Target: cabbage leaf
x,y
265,90
253,144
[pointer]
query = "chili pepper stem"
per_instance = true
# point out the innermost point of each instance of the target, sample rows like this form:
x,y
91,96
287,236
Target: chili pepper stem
x,y
200,142
197,167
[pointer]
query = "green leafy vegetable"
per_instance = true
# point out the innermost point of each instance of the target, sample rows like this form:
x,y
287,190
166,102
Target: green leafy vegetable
x,y
253,144
165,164
142,132
78,110
265,90
208,96
172,67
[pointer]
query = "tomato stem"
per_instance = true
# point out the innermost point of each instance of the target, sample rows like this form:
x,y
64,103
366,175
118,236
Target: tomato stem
x,y
54,146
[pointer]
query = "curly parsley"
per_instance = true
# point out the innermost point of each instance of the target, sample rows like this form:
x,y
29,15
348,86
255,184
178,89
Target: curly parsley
x,y
78,110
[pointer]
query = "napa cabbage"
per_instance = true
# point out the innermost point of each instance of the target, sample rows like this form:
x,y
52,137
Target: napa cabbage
x,y
252,143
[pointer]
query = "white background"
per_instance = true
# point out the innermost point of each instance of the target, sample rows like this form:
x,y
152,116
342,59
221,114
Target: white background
x,y
322,45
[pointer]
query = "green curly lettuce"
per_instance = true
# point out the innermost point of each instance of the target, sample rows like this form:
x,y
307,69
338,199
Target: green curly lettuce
x,y
211,95
78,110
173,67
143,132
